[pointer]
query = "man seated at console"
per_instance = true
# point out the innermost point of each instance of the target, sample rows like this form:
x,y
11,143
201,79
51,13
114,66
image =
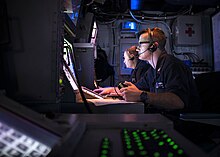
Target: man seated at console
x,y
168,85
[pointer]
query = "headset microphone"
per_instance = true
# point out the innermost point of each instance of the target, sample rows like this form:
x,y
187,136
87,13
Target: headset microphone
x,y
139,53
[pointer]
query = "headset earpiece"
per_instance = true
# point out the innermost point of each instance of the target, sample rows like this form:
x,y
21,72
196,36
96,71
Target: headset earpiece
x,y
152,47
132,58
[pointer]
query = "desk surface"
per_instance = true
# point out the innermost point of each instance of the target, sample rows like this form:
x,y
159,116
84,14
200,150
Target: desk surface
x,y
115,106
117,118
104,106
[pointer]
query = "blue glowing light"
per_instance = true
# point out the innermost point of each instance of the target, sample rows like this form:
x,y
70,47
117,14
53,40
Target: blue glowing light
x,y
135,4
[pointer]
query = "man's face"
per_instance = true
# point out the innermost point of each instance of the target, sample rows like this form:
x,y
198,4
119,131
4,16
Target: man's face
x,y
144,42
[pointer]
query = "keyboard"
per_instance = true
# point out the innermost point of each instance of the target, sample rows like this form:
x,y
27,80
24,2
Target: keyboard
x,y
15,144
137,143
92,93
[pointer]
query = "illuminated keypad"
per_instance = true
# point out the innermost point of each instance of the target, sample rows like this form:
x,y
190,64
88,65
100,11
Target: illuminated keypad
x,y
152,143
16,144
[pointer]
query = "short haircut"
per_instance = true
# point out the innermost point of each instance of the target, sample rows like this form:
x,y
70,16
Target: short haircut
x,y
155,35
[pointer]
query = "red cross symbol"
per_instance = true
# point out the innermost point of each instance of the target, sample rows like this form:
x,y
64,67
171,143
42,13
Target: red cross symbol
x,y
189,31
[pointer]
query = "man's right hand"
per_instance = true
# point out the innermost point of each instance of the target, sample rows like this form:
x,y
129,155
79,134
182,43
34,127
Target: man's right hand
x,y
104,91
130,93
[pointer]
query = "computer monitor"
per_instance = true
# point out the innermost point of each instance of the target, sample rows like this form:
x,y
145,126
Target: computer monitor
x,y
70,76
69,68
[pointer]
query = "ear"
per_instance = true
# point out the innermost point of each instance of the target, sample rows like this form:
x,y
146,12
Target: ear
x,y
153,47
156,43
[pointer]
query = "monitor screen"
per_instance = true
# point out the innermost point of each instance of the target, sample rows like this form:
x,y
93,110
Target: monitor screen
x,y
70,76
69,69
68,66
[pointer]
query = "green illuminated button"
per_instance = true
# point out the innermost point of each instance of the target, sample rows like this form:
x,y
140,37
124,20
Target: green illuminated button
x,y
130,153
125,131
175,146
165,136
126,137
169,140
60,81
105,146
147,138
136,136
170,154
105,143
180,151
128,142
143,133
156,137
103,156
143,152
140,147
153,131
134,133
106,139
171,143
137,140
104,152
156,154
161,143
